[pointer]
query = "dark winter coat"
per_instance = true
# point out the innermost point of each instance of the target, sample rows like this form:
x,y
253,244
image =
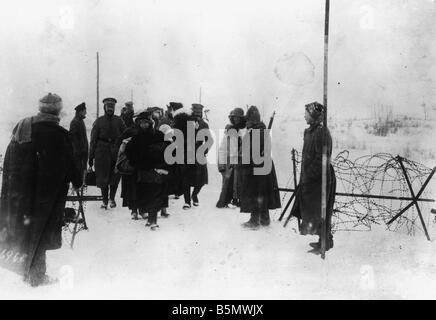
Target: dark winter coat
x,y
201,175
35,183
146,152
307,204
193,175
104,148
259,193
229,161
128,182
167,119
79,140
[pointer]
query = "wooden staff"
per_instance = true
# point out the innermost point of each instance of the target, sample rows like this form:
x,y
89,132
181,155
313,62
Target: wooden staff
x,y
98,85
324,148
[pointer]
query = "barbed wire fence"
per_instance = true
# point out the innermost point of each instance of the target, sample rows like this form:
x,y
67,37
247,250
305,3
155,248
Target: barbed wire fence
x,y
379,189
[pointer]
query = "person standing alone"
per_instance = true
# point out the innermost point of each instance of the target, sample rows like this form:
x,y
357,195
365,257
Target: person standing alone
x,y
307,205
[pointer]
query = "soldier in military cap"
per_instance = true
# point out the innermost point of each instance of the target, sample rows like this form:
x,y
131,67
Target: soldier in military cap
x,y
104,150
79,138
195,176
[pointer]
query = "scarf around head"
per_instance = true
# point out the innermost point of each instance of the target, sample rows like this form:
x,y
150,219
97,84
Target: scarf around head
x,y
23,131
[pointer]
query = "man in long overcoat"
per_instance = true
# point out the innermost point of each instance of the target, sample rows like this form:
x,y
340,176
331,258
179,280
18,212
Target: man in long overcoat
x,y
104,148
79,137
259,192
307,205
193,175
229,159
38,167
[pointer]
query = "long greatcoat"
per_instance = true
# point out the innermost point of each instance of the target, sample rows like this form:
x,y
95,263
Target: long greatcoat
x,y
145,152
79,140
229,161
259,193
104,148
128,182
196,174
35,184
307,205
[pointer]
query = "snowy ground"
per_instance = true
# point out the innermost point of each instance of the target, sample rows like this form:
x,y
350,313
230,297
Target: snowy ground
x,y
204,254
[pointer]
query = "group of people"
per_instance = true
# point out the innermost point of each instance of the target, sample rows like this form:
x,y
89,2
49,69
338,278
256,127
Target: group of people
x,y
131,147
43,158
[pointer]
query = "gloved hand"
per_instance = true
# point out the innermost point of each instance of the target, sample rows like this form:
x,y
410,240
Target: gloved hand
x,y
91,162
221,168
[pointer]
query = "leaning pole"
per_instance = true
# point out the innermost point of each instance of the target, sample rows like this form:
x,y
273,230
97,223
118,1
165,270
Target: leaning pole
x,y
324,148
98,85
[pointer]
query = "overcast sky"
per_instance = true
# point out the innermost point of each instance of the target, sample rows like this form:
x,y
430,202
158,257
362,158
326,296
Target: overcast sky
x,y
267,53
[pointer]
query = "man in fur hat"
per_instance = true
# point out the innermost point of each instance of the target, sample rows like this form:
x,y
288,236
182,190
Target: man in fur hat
x,y
79,138
259,192
192,174
104,149
229,159
38,168
307,205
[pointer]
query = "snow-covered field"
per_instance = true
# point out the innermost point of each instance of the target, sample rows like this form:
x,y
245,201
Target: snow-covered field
x,y
204,253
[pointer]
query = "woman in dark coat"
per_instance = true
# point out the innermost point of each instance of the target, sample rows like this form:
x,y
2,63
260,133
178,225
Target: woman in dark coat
x,y
128,181
145,153
307,204
229,160
259,193
38,167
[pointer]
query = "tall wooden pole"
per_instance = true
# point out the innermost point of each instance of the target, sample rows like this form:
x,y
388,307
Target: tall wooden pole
x,y
98,85
324,149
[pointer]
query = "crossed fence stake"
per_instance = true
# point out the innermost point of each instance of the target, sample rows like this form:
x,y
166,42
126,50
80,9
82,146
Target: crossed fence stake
x,y
414,198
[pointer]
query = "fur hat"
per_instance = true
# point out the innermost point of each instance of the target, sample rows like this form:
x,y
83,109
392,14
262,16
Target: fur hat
x,y
237,112
80,107
153,109
253,115
182,111
175,106
51,103
315,109
143,115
